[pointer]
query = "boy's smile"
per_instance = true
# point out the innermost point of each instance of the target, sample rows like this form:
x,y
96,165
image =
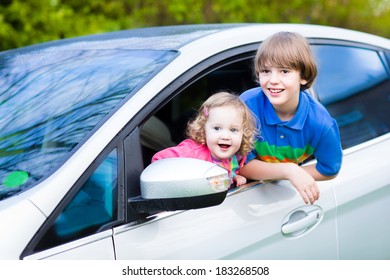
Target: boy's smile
x,y
275,92
282,88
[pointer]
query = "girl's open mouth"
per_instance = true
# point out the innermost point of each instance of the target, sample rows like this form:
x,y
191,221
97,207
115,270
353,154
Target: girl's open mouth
x,y
224,146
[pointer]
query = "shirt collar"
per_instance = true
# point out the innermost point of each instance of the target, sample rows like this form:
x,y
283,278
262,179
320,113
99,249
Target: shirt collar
x,y
297,122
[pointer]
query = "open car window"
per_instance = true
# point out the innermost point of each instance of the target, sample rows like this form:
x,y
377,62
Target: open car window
x,y
167,126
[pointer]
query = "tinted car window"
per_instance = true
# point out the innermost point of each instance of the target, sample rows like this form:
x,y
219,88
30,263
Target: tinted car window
x,y
94,205
50,101
354,86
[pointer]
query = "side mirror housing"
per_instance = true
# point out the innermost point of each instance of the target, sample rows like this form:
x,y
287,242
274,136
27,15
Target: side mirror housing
x,y
181,184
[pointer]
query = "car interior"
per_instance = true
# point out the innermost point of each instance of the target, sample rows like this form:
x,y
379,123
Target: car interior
x,y
167,127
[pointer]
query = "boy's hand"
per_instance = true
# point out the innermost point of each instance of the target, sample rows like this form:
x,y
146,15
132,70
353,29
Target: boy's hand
x,y
301,177
304,183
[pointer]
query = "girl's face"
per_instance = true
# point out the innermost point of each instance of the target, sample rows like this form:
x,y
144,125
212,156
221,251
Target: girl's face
x,y
224,131
282,87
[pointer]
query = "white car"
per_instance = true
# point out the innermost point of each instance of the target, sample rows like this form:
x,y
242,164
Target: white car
x,y
80,119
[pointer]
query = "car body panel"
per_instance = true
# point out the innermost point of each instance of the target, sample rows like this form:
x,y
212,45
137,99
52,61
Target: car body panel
x,y
217,232
20,221
363,194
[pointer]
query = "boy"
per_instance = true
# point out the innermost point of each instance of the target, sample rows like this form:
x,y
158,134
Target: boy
x,y
293,125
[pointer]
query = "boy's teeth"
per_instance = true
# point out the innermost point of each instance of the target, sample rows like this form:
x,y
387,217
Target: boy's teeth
x,y
275,90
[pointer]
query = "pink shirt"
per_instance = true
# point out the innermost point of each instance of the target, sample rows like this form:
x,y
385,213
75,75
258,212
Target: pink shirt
x,y
190,149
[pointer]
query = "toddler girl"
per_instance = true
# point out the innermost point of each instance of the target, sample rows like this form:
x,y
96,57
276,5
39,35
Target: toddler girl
x,y
222,132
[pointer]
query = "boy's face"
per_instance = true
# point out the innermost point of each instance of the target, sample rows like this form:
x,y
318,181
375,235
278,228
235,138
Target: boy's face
x,y
282,87
224,131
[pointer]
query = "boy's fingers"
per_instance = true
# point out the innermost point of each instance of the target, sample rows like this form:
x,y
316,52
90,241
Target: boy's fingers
x,y
312,197
305,197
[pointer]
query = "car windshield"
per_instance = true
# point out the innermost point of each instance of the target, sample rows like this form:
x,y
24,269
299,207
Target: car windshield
x,y
50,101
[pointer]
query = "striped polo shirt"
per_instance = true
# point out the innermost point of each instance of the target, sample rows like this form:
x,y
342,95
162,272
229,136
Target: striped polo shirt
x,y
312,131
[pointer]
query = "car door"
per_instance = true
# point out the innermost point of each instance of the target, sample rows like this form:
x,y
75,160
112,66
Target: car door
x,y
354,86
349,219
247,225
261,221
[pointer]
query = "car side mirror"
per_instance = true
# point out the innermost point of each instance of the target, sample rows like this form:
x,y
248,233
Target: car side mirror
x,y
181,184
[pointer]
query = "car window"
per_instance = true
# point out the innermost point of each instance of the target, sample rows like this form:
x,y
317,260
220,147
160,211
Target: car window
x,y
354,86
93,206
167,126
51,101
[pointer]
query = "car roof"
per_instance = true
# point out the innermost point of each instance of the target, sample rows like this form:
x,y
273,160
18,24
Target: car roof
x,y
160,37
176,36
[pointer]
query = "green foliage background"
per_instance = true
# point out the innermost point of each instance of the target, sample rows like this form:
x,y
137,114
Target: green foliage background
x,y
25,22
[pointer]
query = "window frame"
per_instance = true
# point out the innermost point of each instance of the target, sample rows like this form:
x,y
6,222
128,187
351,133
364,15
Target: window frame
x,y
133,159
192,76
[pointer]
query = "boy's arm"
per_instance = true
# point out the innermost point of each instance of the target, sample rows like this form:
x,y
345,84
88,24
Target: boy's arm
x,y
312,170
301,179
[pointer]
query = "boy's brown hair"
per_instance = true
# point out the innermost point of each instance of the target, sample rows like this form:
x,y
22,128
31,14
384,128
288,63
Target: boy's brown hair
x,y
287,50
196,128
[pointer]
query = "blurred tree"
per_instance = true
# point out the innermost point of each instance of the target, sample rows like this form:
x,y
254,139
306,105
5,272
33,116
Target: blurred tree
x,y
25,22
371,16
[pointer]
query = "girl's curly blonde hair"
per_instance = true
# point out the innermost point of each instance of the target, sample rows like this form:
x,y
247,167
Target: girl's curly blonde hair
x,y
196,128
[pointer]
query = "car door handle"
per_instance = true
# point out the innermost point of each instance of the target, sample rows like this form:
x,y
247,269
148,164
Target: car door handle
x,y
301,220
